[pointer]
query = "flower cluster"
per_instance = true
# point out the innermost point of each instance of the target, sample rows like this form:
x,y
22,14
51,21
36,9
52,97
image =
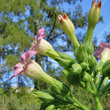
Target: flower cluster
x,y
83,70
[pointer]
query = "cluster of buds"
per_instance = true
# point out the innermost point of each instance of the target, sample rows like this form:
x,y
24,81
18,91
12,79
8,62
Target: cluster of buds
x,y
76,71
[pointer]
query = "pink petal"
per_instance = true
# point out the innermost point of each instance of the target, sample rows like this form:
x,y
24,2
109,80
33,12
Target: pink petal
x,y
40,34
32,46
27,55
18,69
100,49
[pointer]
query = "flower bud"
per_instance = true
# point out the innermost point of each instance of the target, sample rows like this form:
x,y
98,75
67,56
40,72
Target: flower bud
x,y
81,54
93,18
85,66
68,28
76,69
94,14
70,77
86,77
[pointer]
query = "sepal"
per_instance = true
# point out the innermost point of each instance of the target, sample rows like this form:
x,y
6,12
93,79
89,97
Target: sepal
x,y
70,77
106,69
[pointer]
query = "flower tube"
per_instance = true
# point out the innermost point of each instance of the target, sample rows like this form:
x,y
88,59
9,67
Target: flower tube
x,y
33,70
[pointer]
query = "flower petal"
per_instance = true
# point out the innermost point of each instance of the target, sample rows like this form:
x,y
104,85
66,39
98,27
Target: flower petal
x,y
18,70
40,34
27,55
101,47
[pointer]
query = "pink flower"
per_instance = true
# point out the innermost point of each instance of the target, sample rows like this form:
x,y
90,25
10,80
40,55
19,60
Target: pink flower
x,y
39,36
103,51
22,65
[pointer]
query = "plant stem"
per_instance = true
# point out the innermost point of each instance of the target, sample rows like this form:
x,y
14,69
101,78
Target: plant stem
x,y
92,85
105,88
100,83
98,78
80,105
105,81
74,41
90,90
98,102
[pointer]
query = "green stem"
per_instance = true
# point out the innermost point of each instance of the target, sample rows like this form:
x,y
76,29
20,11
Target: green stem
x,y
98,102
89,34
100,83
105,88
105,81
90,90
92,85
80,105
98,78
74,40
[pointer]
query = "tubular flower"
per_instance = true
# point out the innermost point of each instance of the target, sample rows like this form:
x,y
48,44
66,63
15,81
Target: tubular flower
x,y
33,70
68,28
42,46
103,52
39,36
21,67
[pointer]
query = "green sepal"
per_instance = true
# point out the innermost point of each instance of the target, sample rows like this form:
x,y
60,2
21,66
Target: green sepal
x,y
85,66
65,63
83,84
76,69
98,67
50,107
60,89
70,77
106,69
52,54
89,47
81,54
86,77
66,56
44,95
92,62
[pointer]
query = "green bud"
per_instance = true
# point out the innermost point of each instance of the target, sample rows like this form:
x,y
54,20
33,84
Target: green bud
x,y
68,28
70,77
64,62
76,69
44,95
92,62
93,18
85,66
94,14
86,77
106,69
81,54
